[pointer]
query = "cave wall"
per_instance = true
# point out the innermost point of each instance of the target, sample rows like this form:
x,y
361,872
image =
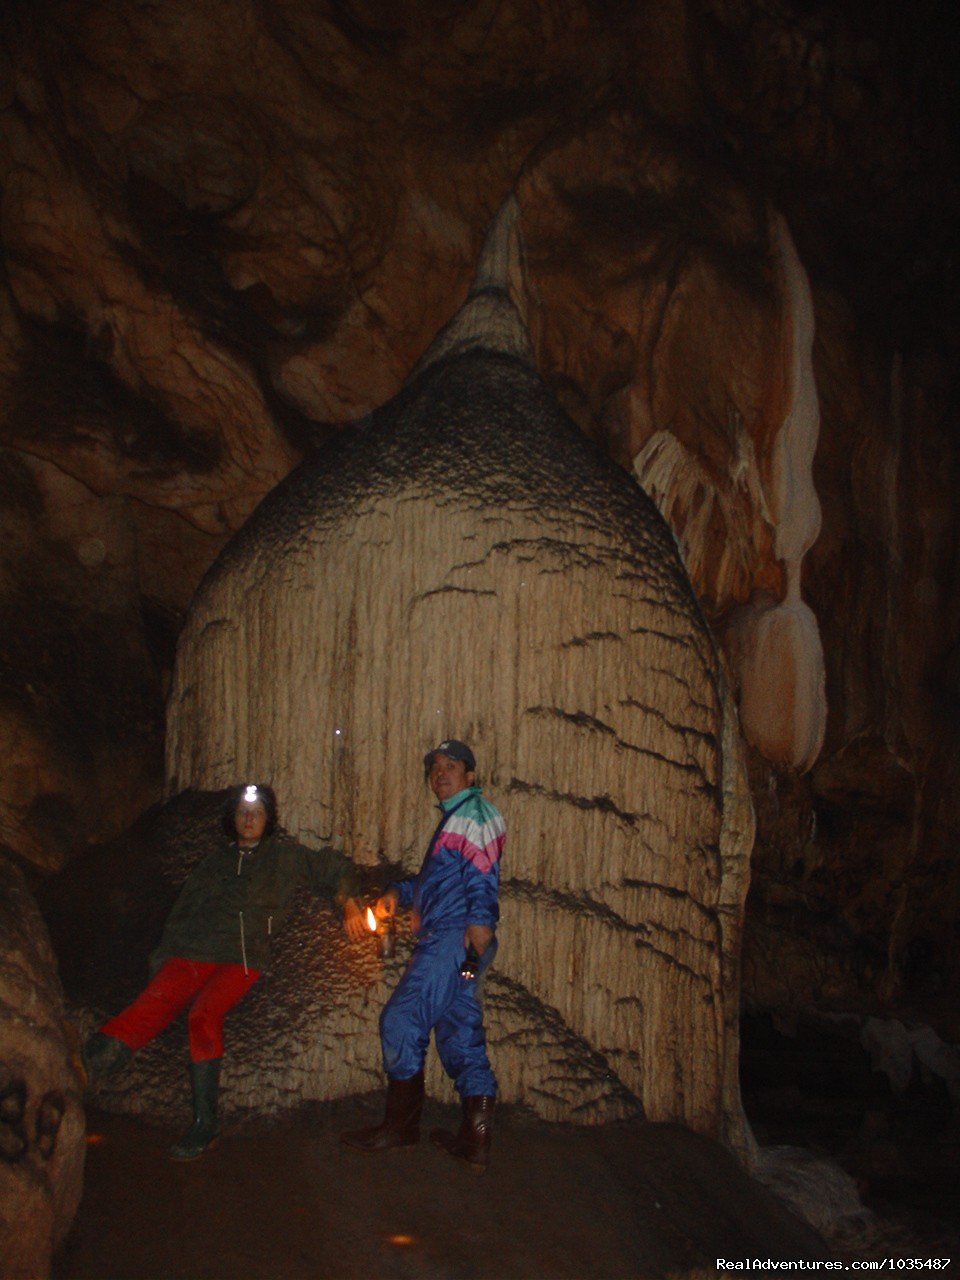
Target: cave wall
x,y
42,1129
226,230
856,875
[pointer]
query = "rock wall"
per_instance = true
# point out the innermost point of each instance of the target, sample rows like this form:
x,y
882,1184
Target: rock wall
x,y
776,648
857,882
41,1117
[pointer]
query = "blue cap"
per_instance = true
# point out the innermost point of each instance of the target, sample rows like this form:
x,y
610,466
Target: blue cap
x,y
453,748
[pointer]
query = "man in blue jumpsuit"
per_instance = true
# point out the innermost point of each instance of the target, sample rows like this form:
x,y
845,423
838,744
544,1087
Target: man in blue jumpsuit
x,y
455,912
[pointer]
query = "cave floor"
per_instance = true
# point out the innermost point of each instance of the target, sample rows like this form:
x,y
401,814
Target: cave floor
x,y
279,1203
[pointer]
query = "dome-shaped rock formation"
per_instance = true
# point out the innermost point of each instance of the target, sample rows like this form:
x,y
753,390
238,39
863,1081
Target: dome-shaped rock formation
x,y
466,562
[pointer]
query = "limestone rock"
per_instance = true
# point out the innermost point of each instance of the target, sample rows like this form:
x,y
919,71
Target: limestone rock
x,y
467,563
745,517
817,1190
41,1118
775,649
856,883
685,323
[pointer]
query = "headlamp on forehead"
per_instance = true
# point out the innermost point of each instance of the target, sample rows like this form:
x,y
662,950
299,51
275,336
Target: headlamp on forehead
x,y
250,794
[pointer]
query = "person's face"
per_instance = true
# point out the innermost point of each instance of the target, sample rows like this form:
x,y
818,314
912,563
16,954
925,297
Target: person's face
x,y
447,777
250,820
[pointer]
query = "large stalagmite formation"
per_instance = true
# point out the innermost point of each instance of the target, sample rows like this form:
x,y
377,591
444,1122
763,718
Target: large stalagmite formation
x,y
466,562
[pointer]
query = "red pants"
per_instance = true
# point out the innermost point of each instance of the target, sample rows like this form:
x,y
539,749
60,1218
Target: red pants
x,y
217,988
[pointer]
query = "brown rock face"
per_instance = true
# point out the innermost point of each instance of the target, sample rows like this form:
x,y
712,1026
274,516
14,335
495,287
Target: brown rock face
x,y
677,302
858,879
41,1119
81,659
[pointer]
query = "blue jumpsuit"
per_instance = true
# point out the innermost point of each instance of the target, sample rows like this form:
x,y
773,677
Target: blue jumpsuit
x,y
458,885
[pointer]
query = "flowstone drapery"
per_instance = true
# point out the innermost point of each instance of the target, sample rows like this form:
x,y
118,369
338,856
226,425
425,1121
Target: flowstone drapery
x,y
466,563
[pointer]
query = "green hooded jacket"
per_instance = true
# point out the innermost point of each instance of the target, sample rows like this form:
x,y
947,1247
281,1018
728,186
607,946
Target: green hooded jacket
x,y
235,900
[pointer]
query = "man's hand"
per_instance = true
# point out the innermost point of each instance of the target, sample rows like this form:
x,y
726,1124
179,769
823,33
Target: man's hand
x,y
480,936
354,924
385,907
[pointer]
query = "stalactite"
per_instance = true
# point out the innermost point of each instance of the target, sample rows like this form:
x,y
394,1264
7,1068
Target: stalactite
x,y
723,523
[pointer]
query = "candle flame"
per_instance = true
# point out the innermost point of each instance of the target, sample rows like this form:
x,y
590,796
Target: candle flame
x,y
371,920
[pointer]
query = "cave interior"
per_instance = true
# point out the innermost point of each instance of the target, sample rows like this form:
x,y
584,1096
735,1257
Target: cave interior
x,y
238,240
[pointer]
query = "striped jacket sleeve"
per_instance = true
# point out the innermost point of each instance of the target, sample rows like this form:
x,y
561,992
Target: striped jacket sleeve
x,y
404,888
479,838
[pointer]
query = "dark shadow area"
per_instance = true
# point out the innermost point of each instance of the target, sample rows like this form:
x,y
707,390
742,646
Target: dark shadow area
x,y
624,1200
814,1085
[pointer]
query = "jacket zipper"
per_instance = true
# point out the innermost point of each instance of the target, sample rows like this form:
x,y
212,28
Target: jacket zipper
x,y
243,937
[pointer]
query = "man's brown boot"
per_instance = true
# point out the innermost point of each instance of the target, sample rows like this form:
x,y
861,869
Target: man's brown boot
x,y
472,1143
401,1124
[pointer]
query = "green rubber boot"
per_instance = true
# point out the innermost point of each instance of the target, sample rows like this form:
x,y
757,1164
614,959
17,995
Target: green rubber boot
x,y
102,1055
205,1130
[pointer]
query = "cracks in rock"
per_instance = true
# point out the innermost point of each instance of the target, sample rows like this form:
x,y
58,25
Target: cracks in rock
x,y
589,637
570,553
450,590
557,900
683,730
594,1063
603,803
679,679
644,816
578,903
652,602
684,640
581,720
672,891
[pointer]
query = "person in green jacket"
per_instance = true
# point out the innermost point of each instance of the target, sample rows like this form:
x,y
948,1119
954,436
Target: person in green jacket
x,y
216,943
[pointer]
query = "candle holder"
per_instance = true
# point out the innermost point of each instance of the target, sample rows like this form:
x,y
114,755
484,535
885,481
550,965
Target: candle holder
x,y
386,934
387,937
